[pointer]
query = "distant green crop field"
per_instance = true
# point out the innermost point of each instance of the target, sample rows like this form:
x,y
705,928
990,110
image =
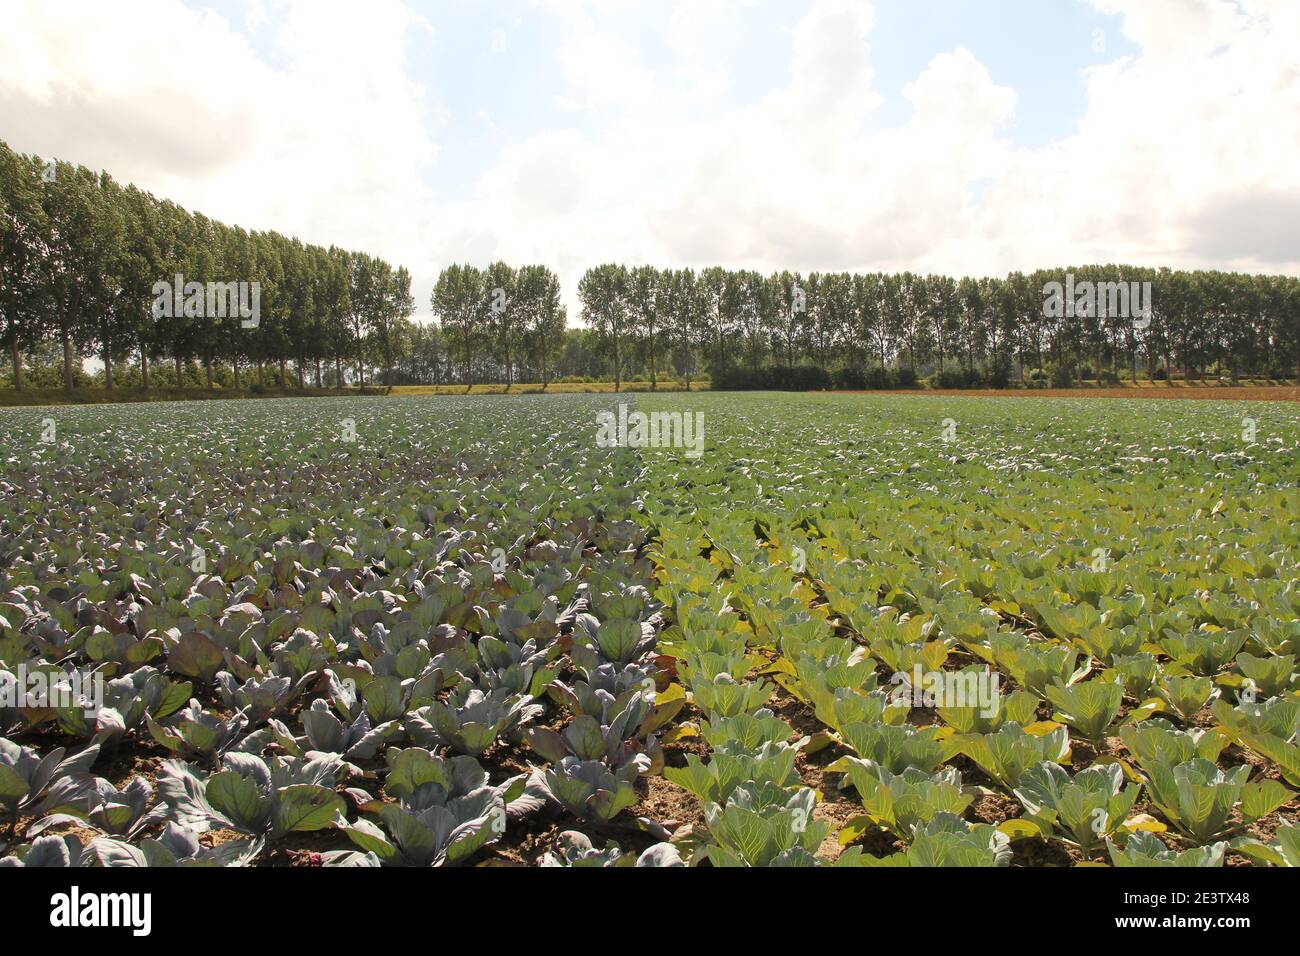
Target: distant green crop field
x,y
712,629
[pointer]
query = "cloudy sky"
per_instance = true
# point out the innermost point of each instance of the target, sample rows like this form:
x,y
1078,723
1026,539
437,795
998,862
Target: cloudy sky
x,y
962,136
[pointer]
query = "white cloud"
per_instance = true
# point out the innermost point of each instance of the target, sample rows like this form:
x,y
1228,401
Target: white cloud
x,y
1198,133
1187,153
329,144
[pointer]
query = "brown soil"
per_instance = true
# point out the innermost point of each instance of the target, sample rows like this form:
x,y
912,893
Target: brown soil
x,y
668,804
1266,828
794,712
1084,754
219,837
524,842
1241,393
993,808
837,807
881,843
1034,852
304,849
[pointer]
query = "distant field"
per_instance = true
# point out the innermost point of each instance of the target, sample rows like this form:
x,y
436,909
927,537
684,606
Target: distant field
x,y
870,630
100,396
1246,391
556,388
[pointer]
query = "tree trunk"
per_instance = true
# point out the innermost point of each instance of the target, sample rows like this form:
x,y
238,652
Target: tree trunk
x,y
284,374
67,360
180,371
207,364
318,372
16,356
301,382
108,364
144,368
234,361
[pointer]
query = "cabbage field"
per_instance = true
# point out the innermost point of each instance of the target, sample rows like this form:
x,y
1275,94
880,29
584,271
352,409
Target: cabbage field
x,y
850,631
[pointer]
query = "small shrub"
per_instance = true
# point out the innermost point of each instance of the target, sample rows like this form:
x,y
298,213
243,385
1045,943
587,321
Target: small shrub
x,y
957,378
850,379
1000,374
878,377
799,378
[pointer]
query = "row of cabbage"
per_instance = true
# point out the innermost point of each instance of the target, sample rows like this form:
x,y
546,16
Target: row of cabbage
x,y
352,665
372,629
757,809
1183,654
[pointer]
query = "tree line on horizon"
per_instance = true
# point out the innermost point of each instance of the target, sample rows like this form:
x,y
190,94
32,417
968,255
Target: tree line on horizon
x,y
80,256
967,331
851,330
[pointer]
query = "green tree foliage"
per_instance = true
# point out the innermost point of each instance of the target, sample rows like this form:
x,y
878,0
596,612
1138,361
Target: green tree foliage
x,y
606,308
543,319
81,258
879,327
458,303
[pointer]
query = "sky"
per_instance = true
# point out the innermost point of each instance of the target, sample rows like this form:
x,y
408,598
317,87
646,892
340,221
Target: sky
x,y
969,137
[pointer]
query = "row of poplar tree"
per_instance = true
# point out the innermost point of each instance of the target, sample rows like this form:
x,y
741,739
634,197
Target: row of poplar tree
x,y
966,330
81,257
